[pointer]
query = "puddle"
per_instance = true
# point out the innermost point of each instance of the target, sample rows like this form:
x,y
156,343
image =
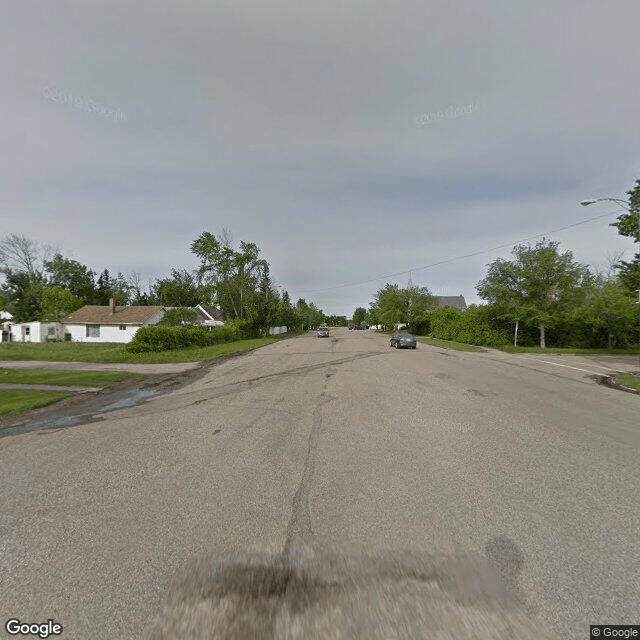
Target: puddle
x,y
126,398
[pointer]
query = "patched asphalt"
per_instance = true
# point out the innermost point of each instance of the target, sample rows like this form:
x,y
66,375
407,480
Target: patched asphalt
x,y
314,478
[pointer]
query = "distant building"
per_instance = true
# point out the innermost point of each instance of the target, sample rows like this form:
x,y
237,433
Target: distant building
x,y
457,302
208,316
94,323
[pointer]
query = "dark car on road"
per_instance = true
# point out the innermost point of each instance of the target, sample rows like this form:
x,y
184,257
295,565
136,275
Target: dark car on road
x,y
323,331
403,341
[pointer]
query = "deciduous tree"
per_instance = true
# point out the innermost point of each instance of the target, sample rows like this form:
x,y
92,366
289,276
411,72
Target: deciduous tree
x,y
234,274
73,276
536,285
58,302
627,224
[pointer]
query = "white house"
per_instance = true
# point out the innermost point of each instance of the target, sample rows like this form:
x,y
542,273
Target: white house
x,y
93,323
36,331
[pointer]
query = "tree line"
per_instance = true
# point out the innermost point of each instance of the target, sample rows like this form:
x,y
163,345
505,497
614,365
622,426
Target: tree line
x,y
541,295
39,283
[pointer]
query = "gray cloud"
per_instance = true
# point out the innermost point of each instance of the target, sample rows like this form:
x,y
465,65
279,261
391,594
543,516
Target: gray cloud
x,y
298,126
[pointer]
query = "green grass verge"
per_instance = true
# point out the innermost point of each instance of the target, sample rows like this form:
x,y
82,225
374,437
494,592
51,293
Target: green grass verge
x,y
114,352
18,400
449,344
632,351
66,377
628,380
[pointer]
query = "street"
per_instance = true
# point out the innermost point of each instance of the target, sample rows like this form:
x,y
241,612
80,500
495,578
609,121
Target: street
x,y
339,442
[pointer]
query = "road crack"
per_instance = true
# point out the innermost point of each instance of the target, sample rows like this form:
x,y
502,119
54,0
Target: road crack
x,y
299,529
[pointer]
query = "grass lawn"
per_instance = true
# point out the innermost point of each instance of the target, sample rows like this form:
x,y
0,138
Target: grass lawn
x,y
628,380
18,400
631,351
114,352
449,344
66,377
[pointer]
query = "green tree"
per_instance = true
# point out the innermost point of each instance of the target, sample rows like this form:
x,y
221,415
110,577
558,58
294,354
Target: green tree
x,y
121,290
108,287
286,315
392,307
419,303
267,302
610,308
537,284
627,224
73,276
359,315
235,275
373,315
58,302
104,289
395,305
503,286
179,316
182,290
23,295
308,314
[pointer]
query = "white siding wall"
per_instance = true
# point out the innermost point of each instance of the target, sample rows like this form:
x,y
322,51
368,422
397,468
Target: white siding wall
x,y
38,331
108,333
17,333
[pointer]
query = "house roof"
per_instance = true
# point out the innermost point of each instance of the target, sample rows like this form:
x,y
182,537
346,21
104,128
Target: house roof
x,y
208,312
457,302
95,314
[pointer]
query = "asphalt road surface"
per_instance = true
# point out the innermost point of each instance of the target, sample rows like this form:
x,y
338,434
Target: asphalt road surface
x,y
334,488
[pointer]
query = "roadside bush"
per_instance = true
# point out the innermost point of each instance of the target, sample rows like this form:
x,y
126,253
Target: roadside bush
x,y
158,338
421,325
244,329
162,338
476,325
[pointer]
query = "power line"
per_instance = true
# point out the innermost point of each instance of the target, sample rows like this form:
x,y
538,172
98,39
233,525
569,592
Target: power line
x,y
447,260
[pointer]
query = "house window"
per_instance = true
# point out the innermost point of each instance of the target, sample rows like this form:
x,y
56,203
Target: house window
x,y
123,327
93,331
51,331
27,331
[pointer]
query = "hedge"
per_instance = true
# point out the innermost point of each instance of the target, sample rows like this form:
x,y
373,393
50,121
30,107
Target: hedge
x,y
476,325
159,338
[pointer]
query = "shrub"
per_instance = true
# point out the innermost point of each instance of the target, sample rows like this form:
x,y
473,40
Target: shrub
x,y
421,325
244,329
166,338
476,325
159,338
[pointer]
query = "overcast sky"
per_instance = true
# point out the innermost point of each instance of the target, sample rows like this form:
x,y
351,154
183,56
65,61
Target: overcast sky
x,y
352,141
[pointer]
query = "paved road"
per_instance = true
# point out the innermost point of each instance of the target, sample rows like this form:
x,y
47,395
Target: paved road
x,y
337,443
